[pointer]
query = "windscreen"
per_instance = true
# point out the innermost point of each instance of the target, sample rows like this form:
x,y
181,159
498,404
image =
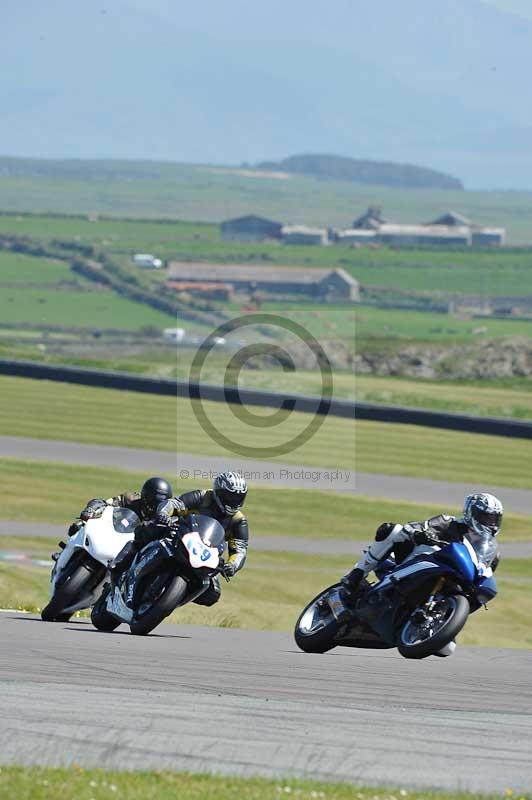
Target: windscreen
x,y
124,520
485,546
211,532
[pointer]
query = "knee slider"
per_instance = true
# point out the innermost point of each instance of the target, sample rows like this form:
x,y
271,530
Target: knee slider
x,y
383,531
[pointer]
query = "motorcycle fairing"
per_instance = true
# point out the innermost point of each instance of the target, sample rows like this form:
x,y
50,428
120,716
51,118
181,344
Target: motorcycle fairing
x,y
487,588
200,555
379,607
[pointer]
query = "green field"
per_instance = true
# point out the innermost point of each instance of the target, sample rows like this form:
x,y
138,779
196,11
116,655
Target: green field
x,y
361,323
49,410
203,192
83,309
506,399
75,783
17,268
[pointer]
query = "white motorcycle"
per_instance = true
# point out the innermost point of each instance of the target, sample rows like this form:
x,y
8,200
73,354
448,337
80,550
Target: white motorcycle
x,y
78,574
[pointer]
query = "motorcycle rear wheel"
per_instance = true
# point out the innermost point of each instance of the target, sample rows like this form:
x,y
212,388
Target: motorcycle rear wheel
x,y
173,594
66,594
317,626
417,641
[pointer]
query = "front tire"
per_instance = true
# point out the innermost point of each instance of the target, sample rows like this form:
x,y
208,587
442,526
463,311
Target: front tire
x,y
421,640
67,593
100,617
173,594
317,626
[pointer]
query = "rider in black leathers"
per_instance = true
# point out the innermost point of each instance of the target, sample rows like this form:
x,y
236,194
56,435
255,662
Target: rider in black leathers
x,y
223,503
144,503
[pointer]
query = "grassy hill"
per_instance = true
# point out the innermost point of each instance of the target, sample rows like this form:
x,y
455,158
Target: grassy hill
x,y
374,173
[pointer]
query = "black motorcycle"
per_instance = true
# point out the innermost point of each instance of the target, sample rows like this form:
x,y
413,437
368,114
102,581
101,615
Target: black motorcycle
x,y
166,573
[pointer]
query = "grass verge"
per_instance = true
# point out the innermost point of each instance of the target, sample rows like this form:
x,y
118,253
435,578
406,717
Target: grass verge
x,y
35,783
59,491
273,588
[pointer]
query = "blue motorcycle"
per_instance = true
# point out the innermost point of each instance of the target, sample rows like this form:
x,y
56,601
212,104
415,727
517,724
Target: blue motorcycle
x,y
418,606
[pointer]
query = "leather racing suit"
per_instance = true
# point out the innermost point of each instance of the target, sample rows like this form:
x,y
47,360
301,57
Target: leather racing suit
x,y
400,540
202,501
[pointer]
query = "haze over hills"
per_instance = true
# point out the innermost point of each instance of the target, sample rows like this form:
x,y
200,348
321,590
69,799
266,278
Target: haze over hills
x,y
442,85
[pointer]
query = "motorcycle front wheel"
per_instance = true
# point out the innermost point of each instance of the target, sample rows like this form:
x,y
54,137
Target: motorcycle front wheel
x,y
100,617
424,633
317,626
72,586
151,612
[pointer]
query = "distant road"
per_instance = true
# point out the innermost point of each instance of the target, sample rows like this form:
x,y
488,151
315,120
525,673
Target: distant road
x,y
291,544
293,476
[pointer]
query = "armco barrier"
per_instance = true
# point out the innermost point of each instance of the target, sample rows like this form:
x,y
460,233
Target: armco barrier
x,y
315,405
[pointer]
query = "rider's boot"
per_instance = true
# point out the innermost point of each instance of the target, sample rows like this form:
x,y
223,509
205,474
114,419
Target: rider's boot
x,y
387,535
351,584
121,563
448,650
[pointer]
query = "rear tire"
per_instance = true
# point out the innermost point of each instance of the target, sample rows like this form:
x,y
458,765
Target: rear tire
x,y
173,594
67,593
319,638
459,610
100,617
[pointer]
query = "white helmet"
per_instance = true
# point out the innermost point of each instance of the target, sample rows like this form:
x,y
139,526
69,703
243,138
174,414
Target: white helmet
x,y
483,513
230,490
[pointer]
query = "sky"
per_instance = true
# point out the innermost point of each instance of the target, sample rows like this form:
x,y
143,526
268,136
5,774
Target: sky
x,y
443,85
521,7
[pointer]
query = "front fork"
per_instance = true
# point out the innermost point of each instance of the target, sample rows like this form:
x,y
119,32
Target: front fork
x,y
421,615
438,586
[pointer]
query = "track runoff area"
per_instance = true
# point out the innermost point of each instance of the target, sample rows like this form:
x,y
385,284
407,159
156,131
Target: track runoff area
x,y
74,695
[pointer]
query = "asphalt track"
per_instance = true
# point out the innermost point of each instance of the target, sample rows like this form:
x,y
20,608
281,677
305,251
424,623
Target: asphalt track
x,y
291,544
391,487
247,703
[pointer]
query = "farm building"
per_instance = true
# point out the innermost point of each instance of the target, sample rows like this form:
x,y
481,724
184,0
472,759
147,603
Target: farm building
x,y
370,221
488,237
452,220
424,235
323,285
355,236
212,291
250,229
302,234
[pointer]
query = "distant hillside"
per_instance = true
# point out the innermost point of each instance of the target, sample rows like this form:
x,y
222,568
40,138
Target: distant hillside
x,y
379,173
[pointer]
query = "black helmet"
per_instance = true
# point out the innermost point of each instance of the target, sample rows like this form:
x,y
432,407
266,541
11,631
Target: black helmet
x,y
154,492
230,490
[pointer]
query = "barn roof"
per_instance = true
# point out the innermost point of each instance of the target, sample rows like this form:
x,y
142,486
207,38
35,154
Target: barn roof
x,y
452,219
251,218
228,273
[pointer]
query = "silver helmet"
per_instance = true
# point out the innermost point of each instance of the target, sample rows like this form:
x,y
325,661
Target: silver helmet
x,y
483,513
230,490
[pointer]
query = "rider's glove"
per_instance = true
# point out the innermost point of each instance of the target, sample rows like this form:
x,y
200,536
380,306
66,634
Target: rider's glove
x,y
228,570
164,519
425,537
93,510
145,532
74,528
